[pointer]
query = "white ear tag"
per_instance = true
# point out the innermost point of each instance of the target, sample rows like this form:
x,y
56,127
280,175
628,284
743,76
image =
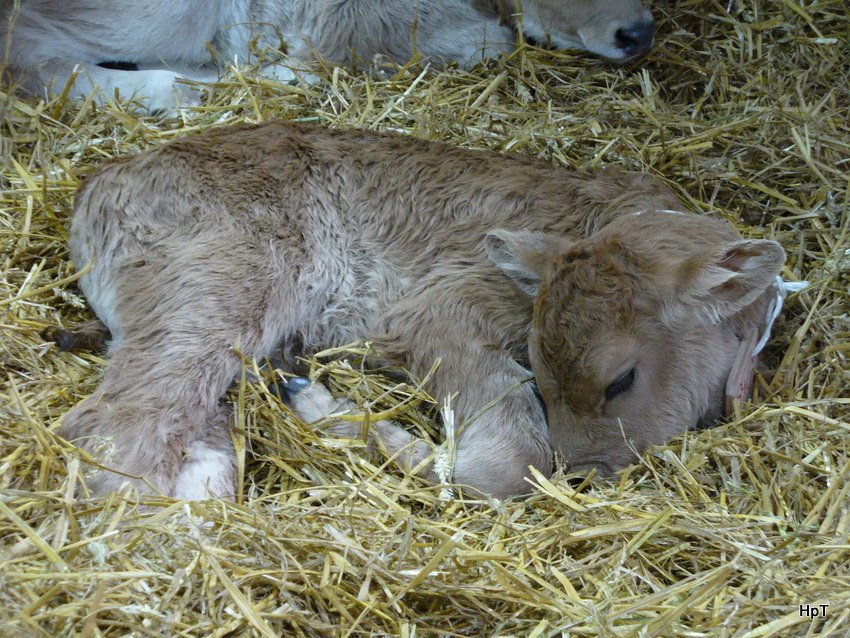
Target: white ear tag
x,y
740,382
775,307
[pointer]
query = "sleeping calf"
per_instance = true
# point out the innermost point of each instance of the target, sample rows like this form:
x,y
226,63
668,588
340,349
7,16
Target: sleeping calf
x,y
48,41
627,315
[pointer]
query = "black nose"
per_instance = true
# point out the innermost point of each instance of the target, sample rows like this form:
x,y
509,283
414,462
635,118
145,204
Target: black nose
x,y
637,39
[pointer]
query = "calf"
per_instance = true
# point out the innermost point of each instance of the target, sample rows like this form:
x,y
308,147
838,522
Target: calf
x,y
48,41
627,316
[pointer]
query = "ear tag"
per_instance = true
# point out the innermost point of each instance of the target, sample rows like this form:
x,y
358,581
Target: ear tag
x,y
739,385
782,289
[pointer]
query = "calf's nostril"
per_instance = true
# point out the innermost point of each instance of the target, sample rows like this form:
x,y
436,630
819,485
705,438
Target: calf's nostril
x,y
636,39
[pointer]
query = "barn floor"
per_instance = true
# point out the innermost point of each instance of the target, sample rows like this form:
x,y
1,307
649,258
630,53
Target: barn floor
x,y
743,107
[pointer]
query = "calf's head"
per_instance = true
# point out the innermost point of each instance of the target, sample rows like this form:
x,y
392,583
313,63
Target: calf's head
x,y
635,329
615,29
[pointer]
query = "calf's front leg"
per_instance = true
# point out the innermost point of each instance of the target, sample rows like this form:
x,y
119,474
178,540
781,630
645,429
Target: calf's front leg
x,y
159,90
472,320
493,449
312,402
501,423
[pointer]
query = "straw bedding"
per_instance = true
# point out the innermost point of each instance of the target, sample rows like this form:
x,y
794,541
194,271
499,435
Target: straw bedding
x,y
743,107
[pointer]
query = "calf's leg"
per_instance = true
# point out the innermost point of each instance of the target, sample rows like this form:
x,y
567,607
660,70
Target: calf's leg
x,y
159,90
209,463
157,419
313,402
501,423
472,323
494,448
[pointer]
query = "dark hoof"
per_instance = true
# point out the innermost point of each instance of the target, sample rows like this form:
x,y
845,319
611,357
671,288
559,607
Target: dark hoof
x,y
90,336
286,389
66,340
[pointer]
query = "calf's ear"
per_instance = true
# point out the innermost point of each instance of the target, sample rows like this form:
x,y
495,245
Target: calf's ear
x,y
722,283
523,256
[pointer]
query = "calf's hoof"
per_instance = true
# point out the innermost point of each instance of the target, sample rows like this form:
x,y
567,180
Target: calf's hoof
x,y
286,389
309,401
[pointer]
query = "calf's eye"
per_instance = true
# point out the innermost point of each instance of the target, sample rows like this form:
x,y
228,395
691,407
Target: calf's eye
x,y
620,385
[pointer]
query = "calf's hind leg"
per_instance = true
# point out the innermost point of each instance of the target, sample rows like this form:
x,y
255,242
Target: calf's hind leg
x,y
181,310
209,464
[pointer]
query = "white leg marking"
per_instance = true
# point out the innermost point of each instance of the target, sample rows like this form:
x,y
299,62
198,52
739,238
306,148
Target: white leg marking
x,y
206,473
289,72
316,402
163,91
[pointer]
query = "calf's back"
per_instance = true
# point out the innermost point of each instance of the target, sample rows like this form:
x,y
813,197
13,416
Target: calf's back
x,y
355,217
